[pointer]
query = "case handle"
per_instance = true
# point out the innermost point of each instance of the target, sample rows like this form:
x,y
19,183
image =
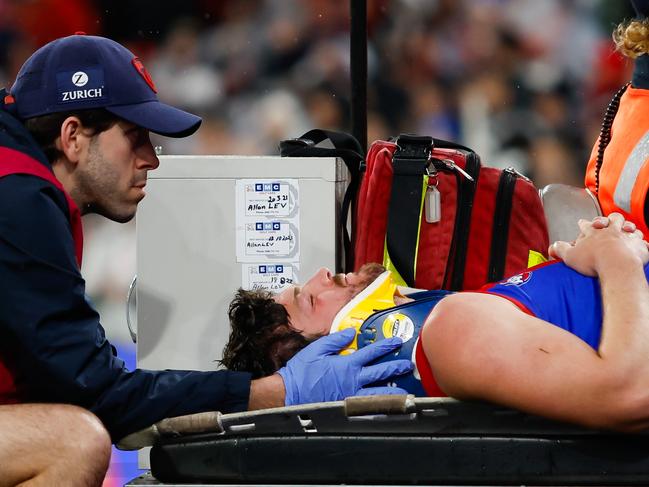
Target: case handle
x,y
129,299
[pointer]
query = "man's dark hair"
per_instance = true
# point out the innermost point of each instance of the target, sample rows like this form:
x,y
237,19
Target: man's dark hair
x,y
46,128
261,339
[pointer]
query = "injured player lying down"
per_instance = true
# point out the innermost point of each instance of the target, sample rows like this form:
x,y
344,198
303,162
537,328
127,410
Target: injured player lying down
x,y
567,340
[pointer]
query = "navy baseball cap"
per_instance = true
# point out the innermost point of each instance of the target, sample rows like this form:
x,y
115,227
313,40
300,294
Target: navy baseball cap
x,y
81,72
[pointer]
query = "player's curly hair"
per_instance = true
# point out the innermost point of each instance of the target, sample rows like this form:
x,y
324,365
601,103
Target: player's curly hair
x,y
261,339
632,37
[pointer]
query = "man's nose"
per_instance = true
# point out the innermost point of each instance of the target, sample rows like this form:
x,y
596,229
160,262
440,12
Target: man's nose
x,y
147,158
324,276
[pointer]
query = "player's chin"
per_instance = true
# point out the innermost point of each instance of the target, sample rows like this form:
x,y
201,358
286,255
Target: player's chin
x,y
124,213
121,217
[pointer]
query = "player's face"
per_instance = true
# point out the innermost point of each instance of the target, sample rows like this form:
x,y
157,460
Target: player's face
x,y
313,306
114,172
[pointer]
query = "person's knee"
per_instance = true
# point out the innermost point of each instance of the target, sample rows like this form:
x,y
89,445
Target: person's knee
x,y
52,442
91,438
81,436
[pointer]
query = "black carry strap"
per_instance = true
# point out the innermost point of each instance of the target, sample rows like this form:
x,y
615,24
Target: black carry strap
x,y
500,228
466,188
349,150
409,163
436,143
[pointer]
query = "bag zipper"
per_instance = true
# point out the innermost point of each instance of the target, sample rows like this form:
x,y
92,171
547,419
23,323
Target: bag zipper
x,y
466,185
500,230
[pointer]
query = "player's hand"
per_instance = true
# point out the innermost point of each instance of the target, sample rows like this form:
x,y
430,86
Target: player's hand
x,y
603,221
317,373
602,241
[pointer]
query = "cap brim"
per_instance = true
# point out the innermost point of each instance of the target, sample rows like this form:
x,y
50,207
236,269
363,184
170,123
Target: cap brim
x,y
159,118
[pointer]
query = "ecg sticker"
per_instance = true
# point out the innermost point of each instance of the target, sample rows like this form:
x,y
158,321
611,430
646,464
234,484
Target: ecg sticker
x,y
272,277
268,199
268,220
269,238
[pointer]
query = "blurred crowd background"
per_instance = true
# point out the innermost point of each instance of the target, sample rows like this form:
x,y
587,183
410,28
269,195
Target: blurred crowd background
x,y
523,82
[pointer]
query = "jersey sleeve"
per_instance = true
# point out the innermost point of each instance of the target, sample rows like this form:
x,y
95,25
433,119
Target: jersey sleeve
x,y
51,338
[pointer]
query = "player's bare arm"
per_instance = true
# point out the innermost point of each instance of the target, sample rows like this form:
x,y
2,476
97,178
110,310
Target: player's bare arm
x,y
483,347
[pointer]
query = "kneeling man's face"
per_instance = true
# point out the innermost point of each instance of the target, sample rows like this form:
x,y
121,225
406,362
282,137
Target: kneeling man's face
x,y
313,306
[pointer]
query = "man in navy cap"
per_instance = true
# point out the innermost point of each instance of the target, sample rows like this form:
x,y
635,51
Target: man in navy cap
x,y
74,139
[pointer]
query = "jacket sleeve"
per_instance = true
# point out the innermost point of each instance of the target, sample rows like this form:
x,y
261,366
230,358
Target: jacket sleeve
x,y
51,338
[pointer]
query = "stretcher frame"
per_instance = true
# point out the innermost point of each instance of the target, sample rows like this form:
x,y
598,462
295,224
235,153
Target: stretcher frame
x,y
395,440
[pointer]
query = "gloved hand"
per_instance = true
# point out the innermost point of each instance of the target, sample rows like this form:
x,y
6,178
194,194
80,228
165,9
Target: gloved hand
x,y
317,373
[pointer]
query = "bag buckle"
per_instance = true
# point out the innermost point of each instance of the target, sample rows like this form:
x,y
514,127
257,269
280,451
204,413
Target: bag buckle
x,y
413,147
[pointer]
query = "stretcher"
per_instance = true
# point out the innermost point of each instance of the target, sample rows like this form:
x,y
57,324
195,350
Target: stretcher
x,y
390,440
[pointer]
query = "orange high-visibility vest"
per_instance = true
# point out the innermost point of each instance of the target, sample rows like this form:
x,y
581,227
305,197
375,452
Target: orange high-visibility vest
x,y
624,175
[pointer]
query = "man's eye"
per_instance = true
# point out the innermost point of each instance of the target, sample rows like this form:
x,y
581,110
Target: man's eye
x,y
138,137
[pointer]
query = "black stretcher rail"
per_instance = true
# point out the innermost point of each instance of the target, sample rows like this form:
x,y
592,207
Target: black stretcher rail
x,y
427,442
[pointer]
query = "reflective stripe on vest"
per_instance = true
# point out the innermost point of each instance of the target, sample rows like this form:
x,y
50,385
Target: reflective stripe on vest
x,y
630,171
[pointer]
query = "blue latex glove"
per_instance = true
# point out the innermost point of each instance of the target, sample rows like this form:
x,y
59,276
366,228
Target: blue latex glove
x,y
317,373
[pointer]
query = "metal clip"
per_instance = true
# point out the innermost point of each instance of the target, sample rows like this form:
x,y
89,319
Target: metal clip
x,y
431,170
451,165
511,170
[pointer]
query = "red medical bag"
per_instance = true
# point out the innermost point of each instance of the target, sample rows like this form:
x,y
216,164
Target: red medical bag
x,y
430,211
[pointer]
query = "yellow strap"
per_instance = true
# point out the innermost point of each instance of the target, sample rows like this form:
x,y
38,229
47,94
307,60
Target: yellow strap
x,y
535,258
387,261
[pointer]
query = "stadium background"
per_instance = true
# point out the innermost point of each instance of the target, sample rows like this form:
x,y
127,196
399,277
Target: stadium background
x,y
523,82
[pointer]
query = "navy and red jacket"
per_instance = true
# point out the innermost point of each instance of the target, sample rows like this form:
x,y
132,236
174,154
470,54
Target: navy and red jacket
x,y
52,346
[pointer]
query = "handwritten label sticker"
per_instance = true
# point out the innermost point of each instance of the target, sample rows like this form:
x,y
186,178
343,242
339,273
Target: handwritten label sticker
x,y
272,277
268,199
267,220
269,238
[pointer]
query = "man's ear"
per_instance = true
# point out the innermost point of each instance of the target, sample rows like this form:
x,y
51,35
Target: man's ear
x,y
71,140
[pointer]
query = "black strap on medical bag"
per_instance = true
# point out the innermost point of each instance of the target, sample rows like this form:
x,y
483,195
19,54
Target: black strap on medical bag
x,y
349,150
411,161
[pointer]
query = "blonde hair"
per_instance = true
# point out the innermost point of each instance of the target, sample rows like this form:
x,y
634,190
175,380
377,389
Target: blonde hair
x,y
632,38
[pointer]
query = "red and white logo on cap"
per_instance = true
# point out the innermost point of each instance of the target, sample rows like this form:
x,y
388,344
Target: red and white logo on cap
x,y
144,73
